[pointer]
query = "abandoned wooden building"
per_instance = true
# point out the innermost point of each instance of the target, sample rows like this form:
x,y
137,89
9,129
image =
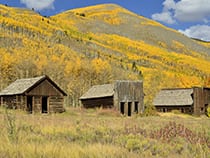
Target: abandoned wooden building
x,y
35,95
126,96
187,100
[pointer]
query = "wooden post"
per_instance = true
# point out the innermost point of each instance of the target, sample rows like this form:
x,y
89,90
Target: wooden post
x,y
33,104
133,107
126,108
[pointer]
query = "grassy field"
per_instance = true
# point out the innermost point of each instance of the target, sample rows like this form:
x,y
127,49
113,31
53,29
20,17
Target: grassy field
x,y
79,133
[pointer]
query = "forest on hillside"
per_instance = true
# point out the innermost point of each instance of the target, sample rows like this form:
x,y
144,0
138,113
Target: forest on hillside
x,y
76,60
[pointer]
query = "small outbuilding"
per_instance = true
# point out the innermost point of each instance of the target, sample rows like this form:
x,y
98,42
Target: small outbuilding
x,y
187,100
35,95
126,96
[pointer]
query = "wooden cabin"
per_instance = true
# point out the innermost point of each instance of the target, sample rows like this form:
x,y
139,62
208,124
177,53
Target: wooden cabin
x,y
35,95
126,96
187,100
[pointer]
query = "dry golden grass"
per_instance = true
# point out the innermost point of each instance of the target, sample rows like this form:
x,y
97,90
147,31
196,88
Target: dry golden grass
x,y
96,133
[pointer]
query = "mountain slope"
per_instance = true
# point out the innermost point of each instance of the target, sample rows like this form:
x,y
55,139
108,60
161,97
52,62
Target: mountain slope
x,y
114,42
112,19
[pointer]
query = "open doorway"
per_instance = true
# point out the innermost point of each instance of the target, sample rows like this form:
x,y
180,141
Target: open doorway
x,y
45,104
136,107
29,104
164,110
129,108
122,108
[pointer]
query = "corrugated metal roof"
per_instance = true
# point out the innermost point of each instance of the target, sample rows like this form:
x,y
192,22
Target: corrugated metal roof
x,y
99,91
174,97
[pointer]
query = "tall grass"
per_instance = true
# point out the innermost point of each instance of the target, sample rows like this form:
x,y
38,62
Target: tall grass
x,y
97,133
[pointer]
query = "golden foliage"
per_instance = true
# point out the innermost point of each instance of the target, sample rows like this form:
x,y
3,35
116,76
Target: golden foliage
x,y
78,60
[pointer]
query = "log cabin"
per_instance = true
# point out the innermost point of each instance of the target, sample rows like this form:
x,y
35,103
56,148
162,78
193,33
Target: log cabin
x,y
34,95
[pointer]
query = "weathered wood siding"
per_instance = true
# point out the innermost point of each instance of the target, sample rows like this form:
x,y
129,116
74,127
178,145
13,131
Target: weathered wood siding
x,y
105,102
130,93
206,99
55,99
9,101
56,104
37,104
201,98
19,102
45,88
207,96
41,95
183,109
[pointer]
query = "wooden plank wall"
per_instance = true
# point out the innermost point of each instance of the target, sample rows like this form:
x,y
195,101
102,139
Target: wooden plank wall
x,y
45,89
183,109
55,103
106,102
198,97
129,92
37,104
207,96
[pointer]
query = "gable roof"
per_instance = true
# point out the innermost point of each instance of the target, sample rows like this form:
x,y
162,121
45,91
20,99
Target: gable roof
x,y
99,91
21,86
174,97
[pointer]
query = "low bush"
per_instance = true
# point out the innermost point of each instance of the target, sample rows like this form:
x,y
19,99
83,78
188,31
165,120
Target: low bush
x,y
176,112
150,110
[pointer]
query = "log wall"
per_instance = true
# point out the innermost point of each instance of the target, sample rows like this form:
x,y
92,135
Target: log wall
x,y
56,104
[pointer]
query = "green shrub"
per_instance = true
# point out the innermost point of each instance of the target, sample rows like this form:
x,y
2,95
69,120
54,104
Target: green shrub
x,y
150,110
133,144
10,122
176,112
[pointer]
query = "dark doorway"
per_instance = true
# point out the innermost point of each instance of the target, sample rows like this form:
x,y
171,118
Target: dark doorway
x,y
122,108
29,104
182,110
136,107
44,104
164,109
129,108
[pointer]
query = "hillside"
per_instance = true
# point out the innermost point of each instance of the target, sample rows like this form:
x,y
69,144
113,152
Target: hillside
x,y
114,42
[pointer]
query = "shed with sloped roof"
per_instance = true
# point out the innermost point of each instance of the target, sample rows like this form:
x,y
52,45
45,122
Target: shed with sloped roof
x,y
126,96
187,100
38,94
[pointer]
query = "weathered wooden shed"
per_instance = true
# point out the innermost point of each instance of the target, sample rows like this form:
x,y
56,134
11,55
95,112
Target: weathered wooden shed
x,y
35,95
187,100
126,96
